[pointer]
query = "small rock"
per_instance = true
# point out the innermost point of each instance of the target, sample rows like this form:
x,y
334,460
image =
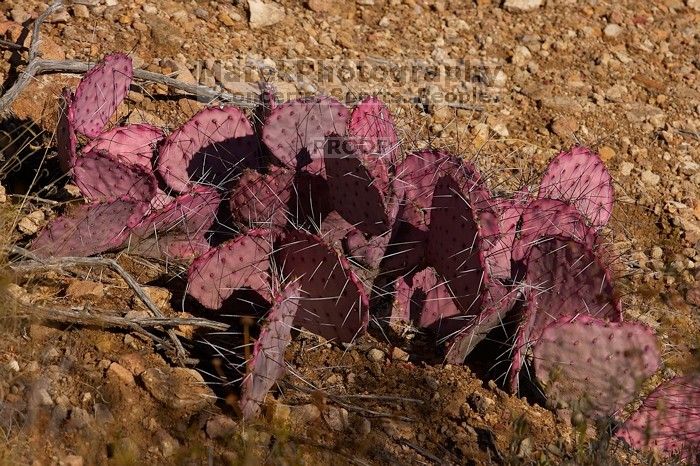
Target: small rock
x,y
657,253
133,362
264,14
525,448
178,388
118,372
399,354
79,418
79,288
81,11
43,397
606,153
650,178
521,55
693,4
31,223
3,195
480,403
517,6
72,460
168,445
626,168
72,190
499,127
304,414
612,30
337,418
616,93
13,365
220,426
225,19
19,15
61,16
102,414
565,127
375,355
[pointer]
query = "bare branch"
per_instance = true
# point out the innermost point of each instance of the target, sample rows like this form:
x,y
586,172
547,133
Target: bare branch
x,y
103,318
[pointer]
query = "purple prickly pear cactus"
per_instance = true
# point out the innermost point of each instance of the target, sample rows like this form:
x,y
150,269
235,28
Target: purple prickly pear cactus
x,y
261,200
89,229
499,301
176,230
417,175
563,278
101,177
372,128
595,365
295,131
431,299
311,199
353,192
509,212
334,230
240,263
213,147
544,218
267,364
100,92
579,177
407,249
334,303
66,140
455,247
132,145
668,420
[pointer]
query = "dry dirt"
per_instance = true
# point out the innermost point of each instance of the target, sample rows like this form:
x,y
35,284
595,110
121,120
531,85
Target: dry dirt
x,y
623,77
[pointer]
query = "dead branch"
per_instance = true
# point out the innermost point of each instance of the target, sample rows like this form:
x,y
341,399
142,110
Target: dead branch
x,y
35,263
24,78
103,318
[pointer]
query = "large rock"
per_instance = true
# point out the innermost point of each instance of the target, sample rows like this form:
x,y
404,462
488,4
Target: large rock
x,y
517,6
178,388
264,14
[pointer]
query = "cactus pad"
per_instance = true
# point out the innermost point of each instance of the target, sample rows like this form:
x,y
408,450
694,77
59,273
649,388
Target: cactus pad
x,y
579,177
333,303
543,218
213,147
240,263
89,229
455,245
595,365
295,131
100,92
261,200
353,193
372,128
132,145
190,214
101,177
66,140
267,363
668,420
563,278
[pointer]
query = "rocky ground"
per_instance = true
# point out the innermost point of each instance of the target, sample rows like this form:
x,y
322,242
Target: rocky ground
x,y
532,77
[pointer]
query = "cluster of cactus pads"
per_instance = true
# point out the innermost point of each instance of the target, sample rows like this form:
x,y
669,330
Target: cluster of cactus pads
x,y
326,219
